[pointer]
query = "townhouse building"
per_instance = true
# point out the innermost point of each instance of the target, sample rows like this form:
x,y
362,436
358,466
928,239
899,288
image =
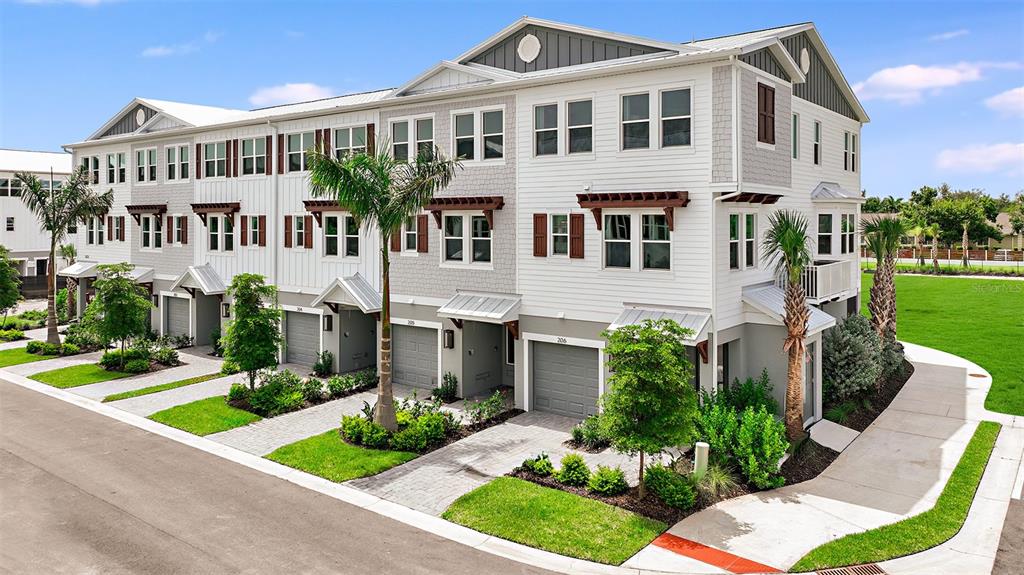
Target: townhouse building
x,y
605,179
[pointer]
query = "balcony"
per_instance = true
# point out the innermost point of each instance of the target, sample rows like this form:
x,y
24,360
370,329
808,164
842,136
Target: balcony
x,y
826,280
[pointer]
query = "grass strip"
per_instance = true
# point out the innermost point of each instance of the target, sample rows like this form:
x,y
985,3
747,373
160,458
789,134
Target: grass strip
x,y
18,356
328,456
77,375
161,387
206,416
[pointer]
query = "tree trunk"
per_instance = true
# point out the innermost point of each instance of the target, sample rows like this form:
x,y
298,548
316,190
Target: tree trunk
x,y
963,242
51,299
641,489
935,255
876,300
384,412
796,331
920,250
890,293
72,299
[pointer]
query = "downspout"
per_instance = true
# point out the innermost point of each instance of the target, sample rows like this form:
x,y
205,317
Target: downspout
x,y
277,201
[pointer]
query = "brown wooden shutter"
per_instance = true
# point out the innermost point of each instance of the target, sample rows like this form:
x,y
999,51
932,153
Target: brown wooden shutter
x,y
770,122
267,157
199,161
576,236
540,235
287,231
227,158
396,239
110,228
184,229
120,228
245,230
327,142
371,140
280,153
422,228
307,232
319,139
263,230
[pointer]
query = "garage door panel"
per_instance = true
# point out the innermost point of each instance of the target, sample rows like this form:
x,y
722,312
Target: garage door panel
x,y
176,316
565,379
302,338
414,356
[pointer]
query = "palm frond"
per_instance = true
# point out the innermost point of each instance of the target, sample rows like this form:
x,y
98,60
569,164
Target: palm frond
x,y
785,244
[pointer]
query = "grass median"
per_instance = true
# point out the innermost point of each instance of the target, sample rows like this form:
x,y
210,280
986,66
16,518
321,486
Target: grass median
x,y
206,416
328,456
161,387
77,375
18,356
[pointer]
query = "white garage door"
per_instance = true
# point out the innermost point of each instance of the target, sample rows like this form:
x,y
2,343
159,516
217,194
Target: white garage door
x,y
176,315
302,337
565,379
414,356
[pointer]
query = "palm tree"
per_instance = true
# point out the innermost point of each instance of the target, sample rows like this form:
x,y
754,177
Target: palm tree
x,y
56,209
883,236
932,231
69,253
785,244
381,192
917,232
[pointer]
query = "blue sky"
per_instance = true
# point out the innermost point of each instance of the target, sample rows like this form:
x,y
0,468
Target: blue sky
x,y
943,82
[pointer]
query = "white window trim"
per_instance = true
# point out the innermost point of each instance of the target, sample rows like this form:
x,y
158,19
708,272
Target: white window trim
x,y
298,239
831,233
253,230
567,127
350,127
341,238
467,242
741,241
302,152
642,241
478,135
552,234
748,240
559,140
817,133
848,239
221,234
241,157
147,166
406,250
183,176
652,133
661,146
795,136
202,146
413,136
634,251
176,220
154,234
433,133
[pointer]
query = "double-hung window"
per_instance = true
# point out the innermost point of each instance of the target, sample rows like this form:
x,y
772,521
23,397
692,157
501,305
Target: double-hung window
x,y
734,241
177,162
111,168
179,229
254,230
299,231
349,141
824,234
480,238
675,118
749,240
559,234
341,231
400,141
254,156
410,235
151,232
351,237
846,151
795,143
617,244
216,160
221,233
91,164
331,235
581,126
847,231
298,145
655,242
94,231
817,143
453,239
765,114
118,232
494,134
145,165
545,130
636,121
425,138
850,151
465,136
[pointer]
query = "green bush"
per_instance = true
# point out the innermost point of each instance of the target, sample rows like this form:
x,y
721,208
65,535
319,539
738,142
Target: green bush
x,y
229,368
891,357
481,411
760,444
136,366
41,348
338,385
11,334
61,303
574,471
849,359
313,390
69,349
238,392
33,315
277,392
673,489
608,481
166,356
324,363
360,431
718,482
411,438
590,433
753,393
218,347
717,424
449,389
435,426
539,465
81,335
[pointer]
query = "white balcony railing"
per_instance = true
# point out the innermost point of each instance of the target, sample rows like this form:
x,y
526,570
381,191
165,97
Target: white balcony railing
x,y
823,281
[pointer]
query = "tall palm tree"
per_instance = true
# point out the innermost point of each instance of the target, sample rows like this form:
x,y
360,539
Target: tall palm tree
x,y
884,236
785,245
877,304
69,253
381,192
56,209
917,232
932,231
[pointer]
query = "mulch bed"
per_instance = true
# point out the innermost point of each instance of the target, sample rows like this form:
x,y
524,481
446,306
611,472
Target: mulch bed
x,y
807,462
864,415
579,446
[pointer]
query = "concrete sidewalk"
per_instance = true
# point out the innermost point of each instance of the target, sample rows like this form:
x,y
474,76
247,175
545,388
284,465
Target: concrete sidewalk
x,y
146,405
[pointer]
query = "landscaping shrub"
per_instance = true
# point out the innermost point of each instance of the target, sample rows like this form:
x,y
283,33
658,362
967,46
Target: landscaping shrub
x,y
339,384
752,393
136,366
481,411
218,347
313,390
166,356
718,482
891,358
278,392
81,335
841,412
229,368
238,392
11,334
435,426
36,315
41,348
608,481
61,303
324,363
69,349
673,489
717,425
449,389
540,465
411,438
760,444
590,433
849,359
361,431
574,471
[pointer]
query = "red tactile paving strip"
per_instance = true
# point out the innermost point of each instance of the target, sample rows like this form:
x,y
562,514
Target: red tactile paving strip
x,y
710,555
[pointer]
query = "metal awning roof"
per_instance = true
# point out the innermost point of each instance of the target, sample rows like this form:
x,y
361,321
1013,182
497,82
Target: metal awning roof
x,y
833,192
771,301
479,306
141,274
692,320
353,291
203,278
79,270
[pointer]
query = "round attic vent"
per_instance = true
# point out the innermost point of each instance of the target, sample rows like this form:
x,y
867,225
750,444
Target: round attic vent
x,y
140,116
529,48
805,61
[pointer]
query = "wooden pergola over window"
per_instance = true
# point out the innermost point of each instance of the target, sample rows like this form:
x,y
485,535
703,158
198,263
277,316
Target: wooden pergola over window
x,y
318,207
752,198
228,208
486,204
667,201
136,211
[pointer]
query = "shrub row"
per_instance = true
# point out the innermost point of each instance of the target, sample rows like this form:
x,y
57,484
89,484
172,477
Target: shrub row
x,y
608,481
11,334
44,348
590,434
341,385
421,426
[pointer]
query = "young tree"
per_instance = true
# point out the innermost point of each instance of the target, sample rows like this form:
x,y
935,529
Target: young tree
x,y
69,253
381,192
253,336
10,283
785,245
649,404
57,208
121,308
964,217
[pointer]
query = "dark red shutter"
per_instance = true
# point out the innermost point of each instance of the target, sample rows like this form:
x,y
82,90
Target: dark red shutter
x,y
287,231
576,235
245,230
307,232
540,235
280,153
120,228
770,93
319,139
110,228
263,231
169,230
396,239
371,140
227,158
237,160
199,161
184,229
267,157
327,142
422,227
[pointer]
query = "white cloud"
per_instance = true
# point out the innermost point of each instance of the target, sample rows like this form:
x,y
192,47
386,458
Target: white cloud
x,y
165,50
1010,102
289,94
949,35
984,158
908,84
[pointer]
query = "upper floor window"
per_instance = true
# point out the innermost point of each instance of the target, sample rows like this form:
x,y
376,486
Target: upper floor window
x,y
581,126
221,233
749,239
655,240
817,144
425,137
341,231
11,187
848,229
494,134
675,118
94,231
118,223
116,168
410,243
256,231
299,231
400,141
742,241
216,160
349,141
765,114
617,249
180,229
734,241
559,234
145,165
465,136
850,151
177,162
91,164
545,129
481,239
824,234
795,143
151,232
10,224
351,237
636,121
254,156
298,145
453,236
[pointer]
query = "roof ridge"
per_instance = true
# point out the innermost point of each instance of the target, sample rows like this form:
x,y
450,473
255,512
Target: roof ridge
x,y
751,32
320,99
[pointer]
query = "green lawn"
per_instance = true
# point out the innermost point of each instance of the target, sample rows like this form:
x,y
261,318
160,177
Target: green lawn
x,y
328,456
77,375
18,355
161,387
920,532
554,520
1013,268
979,319
206,416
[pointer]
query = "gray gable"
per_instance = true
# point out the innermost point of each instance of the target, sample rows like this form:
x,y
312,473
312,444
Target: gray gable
x,y
764,60
820,88
127,123
557,49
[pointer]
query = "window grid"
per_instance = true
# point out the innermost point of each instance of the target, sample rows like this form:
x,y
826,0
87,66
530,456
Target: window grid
x,y
349,141
480,236
254,158
636,121
400,140
494,134
299,231
749,240
425,137
817,143
351,237
216,162
734,241
453,236
410,234
331,235
465,136
545,130
676,118
559,234
298,145
655,242
580,118
617,241
824,234
145,165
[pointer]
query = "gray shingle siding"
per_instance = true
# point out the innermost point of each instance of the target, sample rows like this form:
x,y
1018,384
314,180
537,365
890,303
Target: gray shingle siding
x,y
721,124
170,259
557,49
761,165
820,88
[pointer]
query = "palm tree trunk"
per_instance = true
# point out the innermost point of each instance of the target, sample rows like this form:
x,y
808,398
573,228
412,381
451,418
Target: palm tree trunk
x,y
935,254
72,299
876,302
890,292
963,243
384,412
796,330
51,299
920,250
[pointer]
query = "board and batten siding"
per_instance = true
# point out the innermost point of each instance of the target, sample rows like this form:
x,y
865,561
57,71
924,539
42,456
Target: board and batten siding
x,y
558,48
583,288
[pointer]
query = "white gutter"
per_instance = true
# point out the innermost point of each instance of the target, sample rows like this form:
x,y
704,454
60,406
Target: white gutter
x,y
277,202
